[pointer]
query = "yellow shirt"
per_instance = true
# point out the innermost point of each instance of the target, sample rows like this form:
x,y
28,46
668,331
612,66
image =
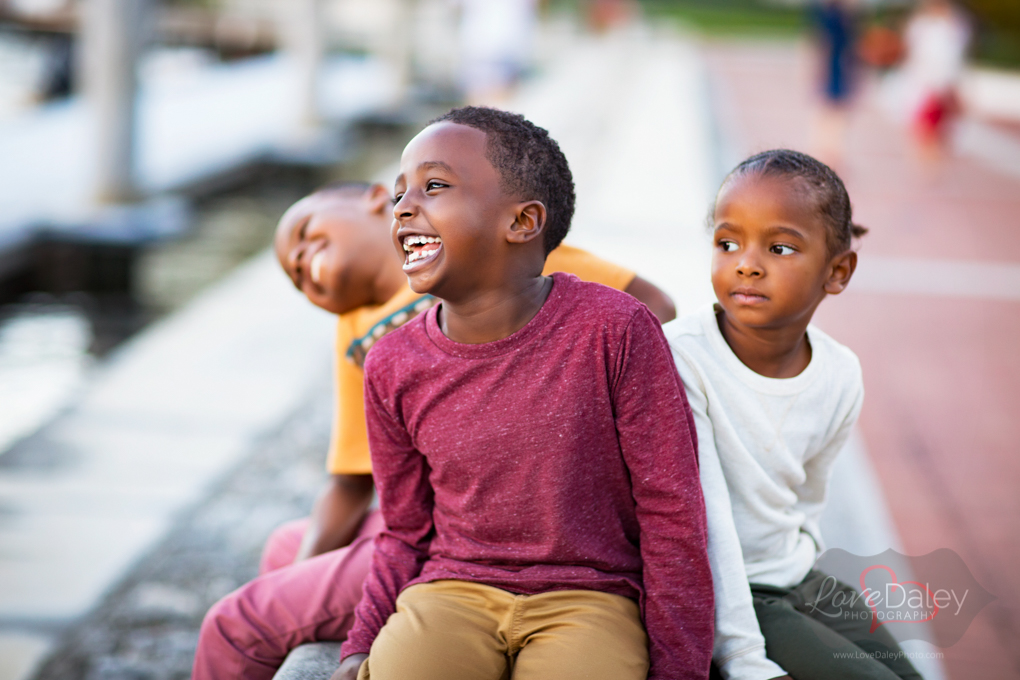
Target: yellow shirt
x,y
358,330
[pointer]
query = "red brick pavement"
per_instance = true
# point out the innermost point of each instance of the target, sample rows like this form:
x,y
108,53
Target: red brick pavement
x,y
941,418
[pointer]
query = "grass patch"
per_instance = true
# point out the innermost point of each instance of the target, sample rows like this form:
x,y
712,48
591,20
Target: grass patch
x,y
999,48
730,17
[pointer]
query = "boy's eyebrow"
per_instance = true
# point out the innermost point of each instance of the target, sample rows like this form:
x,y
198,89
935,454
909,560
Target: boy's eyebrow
x,y
425,166
431,165
295,231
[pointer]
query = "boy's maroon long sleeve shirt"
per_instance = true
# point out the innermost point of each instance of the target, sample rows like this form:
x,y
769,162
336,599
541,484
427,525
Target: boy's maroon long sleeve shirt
x,y
560,457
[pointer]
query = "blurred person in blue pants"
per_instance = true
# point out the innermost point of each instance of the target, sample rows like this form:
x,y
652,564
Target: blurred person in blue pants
x,y
835,32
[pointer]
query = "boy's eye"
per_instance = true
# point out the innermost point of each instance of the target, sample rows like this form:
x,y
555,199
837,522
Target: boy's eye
x,y
780,249
396,198
728,246
429,186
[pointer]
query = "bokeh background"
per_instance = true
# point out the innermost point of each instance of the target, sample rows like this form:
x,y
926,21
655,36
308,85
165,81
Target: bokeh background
x,y
165,396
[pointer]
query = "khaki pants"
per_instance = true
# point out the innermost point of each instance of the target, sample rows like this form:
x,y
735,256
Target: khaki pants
x,y
448,630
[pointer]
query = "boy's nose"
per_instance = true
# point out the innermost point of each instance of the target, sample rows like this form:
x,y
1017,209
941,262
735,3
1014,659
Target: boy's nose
x,y
403,208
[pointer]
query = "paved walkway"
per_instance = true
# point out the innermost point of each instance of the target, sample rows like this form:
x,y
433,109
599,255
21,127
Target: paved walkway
x,y
161,421
933,316
147,626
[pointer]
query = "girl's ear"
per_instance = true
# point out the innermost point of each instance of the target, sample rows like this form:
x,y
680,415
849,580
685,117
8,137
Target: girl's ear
x,y
841,268
529,222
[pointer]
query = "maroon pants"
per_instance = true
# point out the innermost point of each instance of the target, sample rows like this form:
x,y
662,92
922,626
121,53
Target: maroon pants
x,y
249,632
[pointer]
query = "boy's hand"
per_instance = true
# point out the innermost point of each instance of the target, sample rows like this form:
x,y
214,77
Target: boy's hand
x,y
337,514
349,667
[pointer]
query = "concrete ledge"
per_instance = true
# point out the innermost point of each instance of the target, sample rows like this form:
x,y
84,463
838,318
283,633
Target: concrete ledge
x,y
315,661
157,425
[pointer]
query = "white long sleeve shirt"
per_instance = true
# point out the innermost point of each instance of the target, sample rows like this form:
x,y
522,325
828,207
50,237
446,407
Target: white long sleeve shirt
x,y
766,448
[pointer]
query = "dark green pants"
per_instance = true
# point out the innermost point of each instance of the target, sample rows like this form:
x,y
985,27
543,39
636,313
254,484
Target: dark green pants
x,y
816,634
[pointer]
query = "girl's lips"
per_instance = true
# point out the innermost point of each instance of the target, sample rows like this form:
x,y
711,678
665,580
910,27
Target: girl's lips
x,y
748,297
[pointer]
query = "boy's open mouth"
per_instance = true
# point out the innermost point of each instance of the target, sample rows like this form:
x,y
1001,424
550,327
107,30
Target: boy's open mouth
x,y
418,249
315,267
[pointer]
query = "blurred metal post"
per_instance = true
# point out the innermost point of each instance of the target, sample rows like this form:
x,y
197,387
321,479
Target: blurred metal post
x,y
304,39
113,35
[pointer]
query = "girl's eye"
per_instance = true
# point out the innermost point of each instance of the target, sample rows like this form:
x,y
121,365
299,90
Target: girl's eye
x,y
429,186
728,246
780,249
396,199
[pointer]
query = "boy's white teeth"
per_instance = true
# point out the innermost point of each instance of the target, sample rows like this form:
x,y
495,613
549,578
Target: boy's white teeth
x,y
419,240
419,247
316,266
414,256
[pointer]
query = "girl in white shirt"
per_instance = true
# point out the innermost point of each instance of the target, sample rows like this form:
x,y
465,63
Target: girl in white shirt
x,y
774,400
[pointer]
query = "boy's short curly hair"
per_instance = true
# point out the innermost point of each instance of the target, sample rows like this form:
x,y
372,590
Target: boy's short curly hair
x,y
831,199
529,162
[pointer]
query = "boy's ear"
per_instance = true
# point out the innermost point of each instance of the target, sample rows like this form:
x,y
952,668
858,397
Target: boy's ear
x,y
529,222
841,268
379,199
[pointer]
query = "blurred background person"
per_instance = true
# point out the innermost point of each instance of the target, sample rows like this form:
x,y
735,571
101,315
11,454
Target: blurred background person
x,y
834,25
496,39
880,45
936,39
605,15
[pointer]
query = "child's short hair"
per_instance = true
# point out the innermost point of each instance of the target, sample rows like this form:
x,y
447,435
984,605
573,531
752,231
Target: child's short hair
x,y
832,200
529,162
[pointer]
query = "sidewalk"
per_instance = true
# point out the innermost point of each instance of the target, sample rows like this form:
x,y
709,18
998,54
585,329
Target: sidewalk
x,y
163,420
147,626
933,315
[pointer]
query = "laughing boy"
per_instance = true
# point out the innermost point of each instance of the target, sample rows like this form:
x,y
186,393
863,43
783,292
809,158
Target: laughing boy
x,y
531,443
